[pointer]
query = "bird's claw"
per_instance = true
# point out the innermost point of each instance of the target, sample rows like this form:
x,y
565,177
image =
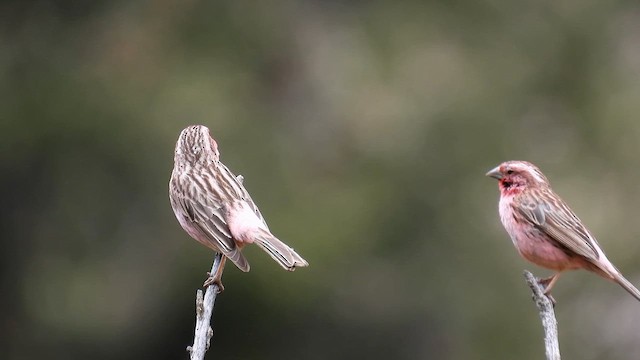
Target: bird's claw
x,y
551,299
547,284
214,280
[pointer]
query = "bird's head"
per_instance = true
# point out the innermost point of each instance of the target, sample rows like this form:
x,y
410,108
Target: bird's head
x,y
517,175
195,144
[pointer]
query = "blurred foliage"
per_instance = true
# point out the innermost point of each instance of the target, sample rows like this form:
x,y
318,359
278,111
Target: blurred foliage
x,y
363,130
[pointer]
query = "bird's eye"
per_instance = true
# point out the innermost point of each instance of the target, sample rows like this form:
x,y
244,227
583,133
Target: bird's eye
x,y
509,172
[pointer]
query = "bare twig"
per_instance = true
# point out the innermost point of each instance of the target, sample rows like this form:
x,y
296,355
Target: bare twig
x,y
547,315
204,310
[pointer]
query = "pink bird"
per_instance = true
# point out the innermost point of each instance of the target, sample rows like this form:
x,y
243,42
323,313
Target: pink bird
x,y
545,230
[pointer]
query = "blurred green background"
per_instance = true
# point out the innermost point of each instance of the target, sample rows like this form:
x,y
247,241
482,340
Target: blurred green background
x,y
363,130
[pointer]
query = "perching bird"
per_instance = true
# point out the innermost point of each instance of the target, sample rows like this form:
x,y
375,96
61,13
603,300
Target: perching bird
x,y
214,208
545,230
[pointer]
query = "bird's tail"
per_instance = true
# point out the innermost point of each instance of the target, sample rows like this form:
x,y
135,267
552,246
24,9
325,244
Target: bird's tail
x,y
279,251
238,259
617,277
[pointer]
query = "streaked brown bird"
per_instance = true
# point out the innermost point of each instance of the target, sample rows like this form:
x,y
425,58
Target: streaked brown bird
x,y
214,208
545,230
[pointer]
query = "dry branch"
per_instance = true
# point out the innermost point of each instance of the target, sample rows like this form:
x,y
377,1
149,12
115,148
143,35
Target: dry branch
x,y
204,310
547,316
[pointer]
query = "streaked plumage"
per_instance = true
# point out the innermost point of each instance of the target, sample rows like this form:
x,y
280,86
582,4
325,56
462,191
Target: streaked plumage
x,y
213,206
544,229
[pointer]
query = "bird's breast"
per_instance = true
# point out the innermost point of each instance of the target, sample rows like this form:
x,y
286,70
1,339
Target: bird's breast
x,y
532,243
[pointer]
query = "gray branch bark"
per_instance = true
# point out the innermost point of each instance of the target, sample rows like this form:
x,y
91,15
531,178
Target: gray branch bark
x,y
547,316
204,310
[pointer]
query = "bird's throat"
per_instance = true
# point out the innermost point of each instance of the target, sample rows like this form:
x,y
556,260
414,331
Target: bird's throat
x,y
510,188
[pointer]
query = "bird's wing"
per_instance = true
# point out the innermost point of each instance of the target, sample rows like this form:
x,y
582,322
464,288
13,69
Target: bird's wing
x,y
560,223
207,218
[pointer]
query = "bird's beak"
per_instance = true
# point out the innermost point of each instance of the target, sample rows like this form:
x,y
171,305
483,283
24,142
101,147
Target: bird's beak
x,y
495,173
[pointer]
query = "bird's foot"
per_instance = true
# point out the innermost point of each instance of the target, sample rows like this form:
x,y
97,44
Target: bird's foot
x,y
214,279
547,284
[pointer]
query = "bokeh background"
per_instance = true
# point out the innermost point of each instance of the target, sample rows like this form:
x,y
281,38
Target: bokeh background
x,y
363,130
